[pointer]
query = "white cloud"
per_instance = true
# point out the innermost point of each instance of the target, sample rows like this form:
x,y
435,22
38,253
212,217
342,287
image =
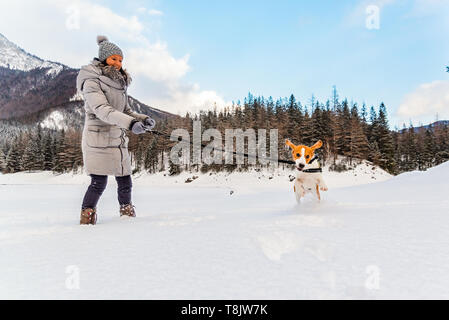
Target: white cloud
x,y
155,62
423,104
158,81
142,10
180,97
93,15
191,98
151,12
154,12
158,75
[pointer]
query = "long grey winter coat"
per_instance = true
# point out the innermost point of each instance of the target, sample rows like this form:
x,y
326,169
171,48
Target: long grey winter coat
x,y
108,115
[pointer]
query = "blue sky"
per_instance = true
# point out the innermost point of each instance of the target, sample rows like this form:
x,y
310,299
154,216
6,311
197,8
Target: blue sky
x,y
223,49
304,47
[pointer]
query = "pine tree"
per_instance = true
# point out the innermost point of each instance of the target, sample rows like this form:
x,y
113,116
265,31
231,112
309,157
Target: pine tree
x,y
2,161
442,143
359,142
374,153
28,158
270,113
317,125
428,151
139,154
13,160
420,159
47,152
77,156
343,129
335,102
60,152
410,149
36,149
385,141
306,129
296,119
364,120
151,157
372,129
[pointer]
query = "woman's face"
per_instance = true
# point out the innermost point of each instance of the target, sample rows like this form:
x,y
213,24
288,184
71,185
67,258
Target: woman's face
x,y
115,60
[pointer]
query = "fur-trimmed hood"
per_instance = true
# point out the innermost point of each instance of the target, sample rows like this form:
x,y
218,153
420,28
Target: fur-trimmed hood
x,y
118,79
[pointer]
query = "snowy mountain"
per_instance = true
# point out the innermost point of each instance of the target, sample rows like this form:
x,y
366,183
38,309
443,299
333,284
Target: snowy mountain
x,y
32,89
384,240
15,58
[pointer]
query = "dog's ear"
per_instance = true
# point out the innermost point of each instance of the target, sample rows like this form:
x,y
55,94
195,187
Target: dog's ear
x,y
317,145
288,143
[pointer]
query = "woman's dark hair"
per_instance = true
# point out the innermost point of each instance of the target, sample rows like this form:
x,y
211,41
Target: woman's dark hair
x,y
105,63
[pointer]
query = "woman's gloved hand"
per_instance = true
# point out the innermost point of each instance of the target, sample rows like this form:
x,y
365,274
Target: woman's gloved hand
x,y
138,127
149,123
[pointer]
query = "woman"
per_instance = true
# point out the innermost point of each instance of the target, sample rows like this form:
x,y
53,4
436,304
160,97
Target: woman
x,y
103,84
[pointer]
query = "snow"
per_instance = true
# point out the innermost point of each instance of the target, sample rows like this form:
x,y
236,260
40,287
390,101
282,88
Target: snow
x,y
196,240
77,97
55,120
15,58
54,70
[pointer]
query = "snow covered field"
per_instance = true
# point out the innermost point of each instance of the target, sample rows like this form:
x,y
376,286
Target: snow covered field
x,y
196,240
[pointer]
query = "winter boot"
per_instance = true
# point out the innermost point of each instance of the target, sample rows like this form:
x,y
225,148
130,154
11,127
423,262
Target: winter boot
x,y
88,216
127,210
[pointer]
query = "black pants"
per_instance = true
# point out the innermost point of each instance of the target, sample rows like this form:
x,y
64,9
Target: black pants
x,y
98,184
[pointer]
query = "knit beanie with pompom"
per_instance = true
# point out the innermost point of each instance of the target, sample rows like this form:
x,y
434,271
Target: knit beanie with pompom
x,y
106,48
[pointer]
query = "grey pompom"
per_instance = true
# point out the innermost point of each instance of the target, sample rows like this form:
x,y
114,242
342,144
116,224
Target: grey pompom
x,y
100,39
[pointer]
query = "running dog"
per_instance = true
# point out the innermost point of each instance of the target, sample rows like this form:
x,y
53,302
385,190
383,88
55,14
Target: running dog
x,y
309,178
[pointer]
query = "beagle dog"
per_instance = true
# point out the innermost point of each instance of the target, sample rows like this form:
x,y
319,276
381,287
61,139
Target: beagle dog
x,y
309,178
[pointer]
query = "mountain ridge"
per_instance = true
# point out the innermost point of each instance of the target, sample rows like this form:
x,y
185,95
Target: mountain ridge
x,y
428,126
14,57
30,86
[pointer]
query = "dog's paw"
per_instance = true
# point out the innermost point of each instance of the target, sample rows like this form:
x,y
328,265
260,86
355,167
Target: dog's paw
x,y
324,188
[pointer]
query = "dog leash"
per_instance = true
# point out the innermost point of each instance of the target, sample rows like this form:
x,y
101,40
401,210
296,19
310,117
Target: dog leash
x,y
246,155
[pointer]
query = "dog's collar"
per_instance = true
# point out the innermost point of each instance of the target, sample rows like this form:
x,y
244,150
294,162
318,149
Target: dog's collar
x,y
314,170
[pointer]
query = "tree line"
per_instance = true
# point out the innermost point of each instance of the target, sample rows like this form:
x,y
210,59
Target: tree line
x,y
348,131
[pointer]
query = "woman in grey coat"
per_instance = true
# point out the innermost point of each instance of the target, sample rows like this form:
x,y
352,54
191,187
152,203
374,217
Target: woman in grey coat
x,y
103,84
